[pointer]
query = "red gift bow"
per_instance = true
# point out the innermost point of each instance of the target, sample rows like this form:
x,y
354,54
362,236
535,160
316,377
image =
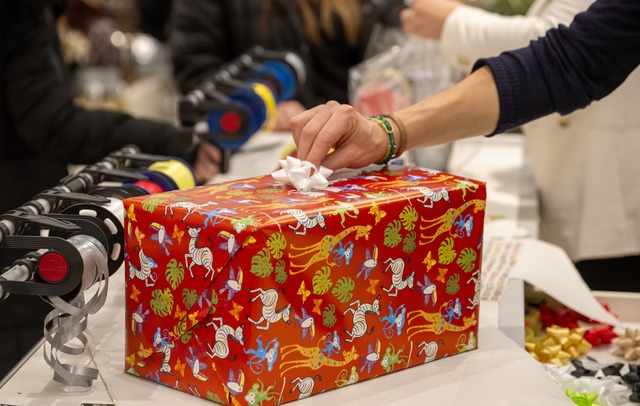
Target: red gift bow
x,y
565,317
600,335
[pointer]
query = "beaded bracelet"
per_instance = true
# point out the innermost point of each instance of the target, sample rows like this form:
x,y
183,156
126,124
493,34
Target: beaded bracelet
x,y
402,133
386,126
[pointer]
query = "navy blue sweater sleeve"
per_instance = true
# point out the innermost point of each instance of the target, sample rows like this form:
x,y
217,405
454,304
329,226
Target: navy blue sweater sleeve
x,y
569,67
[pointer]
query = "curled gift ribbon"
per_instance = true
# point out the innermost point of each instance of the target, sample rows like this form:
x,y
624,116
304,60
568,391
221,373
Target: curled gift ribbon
x,y
303,175
66,331
629,345
558,346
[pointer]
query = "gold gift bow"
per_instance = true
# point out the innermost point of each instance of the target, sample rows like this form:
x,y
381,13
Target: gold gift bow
x,y
559,345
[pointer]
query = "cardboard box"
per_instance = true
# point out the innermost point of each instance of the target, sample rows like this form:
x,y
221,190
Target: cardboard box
x,y
521,270
250,292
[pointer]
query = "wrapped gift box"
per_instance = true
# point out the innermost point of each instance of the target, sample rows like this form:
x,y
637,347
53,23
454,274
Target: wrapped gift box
x,y
250,292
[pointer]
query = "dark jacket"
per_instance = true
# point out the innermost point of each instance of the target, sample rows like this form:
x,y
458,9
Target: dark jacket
x,y
207,34
41,130
569,67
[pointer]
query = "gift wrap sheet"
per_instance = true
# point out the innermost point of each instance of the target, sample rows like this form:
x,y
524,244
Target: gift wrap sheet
x,y
253,293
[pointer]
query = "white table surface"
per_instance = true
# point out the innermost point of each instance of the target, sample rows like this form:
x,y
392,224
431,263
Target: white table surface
x,y
499,372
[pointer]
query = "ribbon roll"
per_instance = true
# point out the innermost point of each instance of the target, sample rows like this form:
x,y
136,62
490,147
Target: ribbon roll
x,y
289,84
256,109
266,94
164,182
285,76
178,171
110,215
116,207
149,187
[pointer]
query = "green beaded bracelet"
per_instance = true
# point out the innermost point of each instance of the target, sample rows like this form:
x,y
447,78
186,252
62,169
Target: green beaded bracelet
x,y
386,126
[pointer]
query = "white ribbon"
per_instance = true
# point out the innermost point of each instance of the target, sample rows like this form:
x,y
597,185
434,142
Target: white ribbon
x,y
611,392
303,175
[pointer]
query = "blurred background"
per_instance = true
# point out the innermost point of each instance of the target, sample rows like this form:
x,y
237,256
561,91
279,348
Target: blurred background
x,y
118,54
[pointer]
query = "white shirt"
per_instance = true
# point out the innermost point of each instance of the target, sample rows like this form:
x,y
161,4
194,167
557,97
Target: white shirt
x,y
585,164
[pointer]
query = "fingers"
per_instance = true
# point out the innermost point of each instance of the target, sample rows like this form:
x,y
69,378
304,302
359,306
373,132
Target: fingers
x,y
342,158
426,18
285,112
299,121
365,144
306,126
203,172
333,125
282,123
207,162
318,136
211,152
354,138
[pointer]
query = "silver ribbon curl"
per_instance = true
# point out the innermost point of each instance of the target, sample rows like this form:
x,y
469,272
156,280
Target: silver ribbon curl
x,y
68,320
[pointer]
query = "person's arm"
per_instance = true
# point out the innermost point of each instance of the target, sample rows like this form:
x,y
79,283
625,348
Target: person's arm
x,y
570,67
467,109
470,33
561,72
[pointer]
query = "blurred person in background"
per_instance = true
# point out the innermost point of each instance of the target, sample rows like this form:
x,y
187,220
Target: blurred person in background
x,y
573,155
330,35
42,130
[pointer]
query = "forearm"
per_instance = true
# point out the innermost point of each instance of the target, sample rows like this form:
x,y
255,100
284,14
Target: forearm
x,y
570,67
73,134
468,109
470,33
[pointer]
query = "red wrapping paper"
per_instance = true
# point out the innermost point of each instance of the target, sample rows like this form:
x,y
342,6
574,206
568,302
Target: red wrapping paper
x,y
249,292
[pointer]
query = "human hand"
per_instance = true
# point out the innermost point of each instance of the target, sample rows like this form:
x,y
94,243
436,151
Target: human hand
x,y
285,111
425,18
357,141
207,162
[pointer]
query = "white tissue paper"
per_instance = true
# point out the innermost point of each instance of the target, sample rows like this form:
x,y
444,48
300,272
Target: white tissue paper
x,y
303,175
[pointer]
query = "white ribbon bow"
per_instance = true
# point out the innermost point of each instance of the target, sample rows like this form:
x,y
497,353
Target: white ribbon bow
x,y
303,175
